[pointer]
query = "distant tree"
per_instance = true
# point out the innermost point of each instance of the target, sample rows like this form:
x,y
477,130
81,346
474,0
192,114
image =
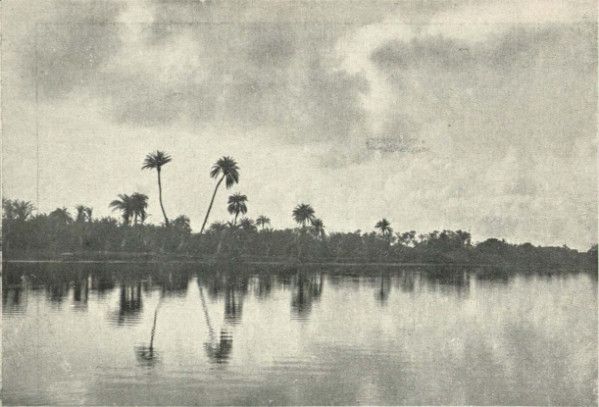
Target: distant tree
x,y
182,223
88,213
407,238
227,169
262,221
61,215
140,204
236,205
16,209
218,227
303,214
157,160
385,227
318,228
80,214
125,205
247,224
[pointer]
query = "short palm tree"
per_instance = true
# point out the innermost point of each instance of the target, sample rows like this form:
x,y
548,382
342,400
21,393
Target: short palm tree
x,y
262,221
236,205
247,224
80,213
16,209
125,205
226,168
303,214
61,215
88,213
385,227
318,227
157,160
140,203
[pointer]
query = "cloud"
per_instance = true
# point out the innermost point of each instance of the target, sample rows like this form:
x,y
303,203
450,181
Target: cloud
x,y
435,114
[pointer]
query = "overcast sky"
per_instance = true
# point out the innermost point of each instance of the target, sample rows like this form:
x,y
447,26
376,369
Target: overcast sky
x,y
471,115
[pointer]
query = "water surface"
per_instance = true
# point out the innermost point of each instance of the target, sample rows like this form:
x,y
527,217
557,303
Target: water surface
x,y
181,335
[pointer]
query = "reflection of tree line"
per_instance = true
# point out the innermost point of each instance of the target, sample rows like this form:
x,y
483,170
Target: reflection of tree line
x,y
230,285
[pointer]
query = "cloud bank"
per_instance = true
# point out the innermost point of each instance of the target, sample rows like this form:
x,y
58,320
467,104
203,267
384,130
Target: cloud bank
x,y
477,116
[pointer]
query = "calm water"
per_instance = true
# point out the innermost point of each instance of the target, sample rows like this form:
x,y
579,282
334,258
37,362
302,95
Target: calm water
x,y
135,335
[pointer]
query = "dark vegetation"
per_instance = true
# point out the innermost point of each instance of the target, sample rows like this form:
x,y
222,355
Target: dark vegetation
x,y
59,233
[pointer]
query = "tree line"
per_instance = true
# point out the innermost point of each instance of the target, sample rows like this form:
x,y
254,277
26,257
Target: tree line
x,y
251,239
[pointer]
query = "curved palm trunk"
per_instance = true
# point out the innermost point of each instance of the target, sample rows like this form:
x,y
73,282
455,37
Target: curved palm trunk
x,y
206,316
160,198
211,202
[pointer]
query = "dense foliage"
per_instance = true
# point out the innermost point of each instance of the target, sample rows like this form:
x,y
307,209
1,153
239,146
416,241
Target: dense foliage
x,y
59,233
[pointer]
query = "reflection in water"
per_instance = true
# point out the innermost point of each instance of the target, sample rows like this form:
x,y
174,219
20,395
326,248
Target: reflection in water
x,y
130,303
307,288
383,293
444,336
146,355
217,349
220,351
81,292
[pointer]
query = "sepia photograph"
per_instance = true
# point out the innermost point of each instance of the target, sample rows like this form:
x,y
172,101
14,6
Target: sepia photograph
x,y
299,202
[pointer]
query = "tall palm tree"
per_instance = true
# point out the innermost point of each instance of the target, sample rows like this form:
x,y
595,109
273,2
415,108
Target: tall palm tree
x,y
156,160
237,205
385,227
262,221
125,205
227,169
140,203
302,214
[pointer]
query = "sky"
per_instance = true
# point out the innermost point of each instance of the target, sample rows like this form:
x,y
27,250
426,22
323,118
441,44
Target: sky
x,y
477,115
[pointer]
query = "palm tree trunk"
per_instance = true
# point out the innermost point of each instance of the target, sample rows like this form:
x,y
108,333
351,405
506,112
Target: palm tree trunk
x,y
211,202
160,198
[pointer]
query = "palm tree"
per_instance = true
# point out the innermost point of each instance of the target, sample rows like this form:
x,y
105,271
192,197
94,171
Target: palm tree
x,y
125,205
88,213
218,227
17,209
247,224
157,160
140,203
237,205
385,227
262,221
302,214
318,227
227,169
80,213
61,215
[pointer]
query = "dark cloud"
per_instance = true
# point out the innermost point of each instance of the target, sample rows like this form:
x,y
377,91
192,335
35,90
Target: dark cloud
x,y
517,47
70,43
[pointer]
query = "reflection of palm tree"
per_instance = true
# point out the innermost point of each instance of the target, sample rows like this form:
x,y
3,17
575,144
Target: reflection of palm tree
x,y
227,168
383,293
130,303
146,354
218,351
